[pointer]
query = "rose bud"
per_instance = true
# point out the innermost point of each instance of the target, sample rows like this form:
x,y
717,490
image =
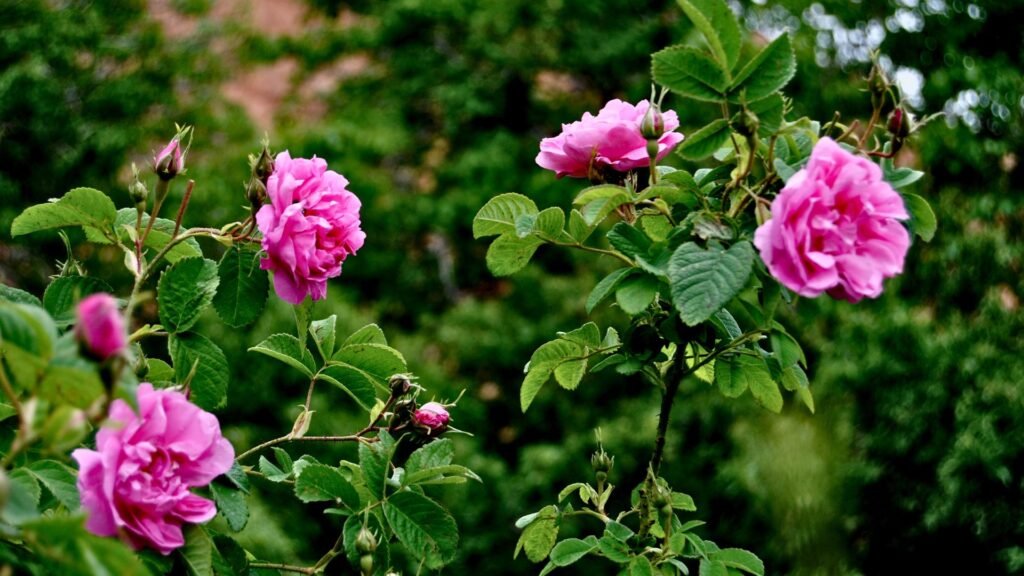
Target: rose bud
x,y
100,328
432,416
170,161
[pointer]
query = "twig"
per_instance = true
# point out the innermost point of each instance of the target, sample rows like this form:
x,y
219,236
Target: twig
x,y
285,567
183,207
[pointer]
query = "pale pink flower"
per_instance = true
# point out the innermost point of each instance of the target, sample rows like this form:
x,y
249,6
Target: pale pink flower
x,y
136,483
170,161
612,138
835,227
310,226
432,416
100,326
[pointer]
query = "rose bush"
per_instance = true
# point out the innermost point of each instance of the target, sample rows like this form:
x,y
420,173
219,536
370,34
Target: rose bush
x,y
137,482
310,226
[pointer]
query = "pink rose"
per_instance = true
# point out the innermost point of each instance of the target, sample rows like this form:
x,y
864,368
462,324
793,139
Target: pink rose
x,y
136,483
835,228
612,138
100,327
309,227
432,416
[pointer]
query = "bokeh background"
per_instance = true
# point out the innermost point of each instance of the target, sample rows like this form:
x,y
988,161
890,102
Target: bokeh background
x,y
914,462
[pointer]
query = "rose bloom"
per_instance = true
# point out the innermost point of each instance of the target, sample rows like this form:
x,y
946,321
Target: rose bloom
x,y
835,227
309,227
432,416
100,327
612,139
136,483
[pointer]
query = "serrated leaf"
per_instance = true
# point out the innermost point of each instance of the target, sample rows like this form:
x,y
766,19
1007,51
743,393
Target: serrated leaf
x,y
71,381
569,373
769,112
535,379
374,460
324,333
79,207
785,349
320,483
704,142
588,335
739,559
549,223
70,550
794,378
690,73
712,568
922,219
703,281
353,382
628,240
570,550
426,529
595,211
614,549
539,537
159,236
209,385
620,532
232,505
64,293
635,294
272,472
18,296
509,254
379,361
767,73
640,566
437,453
718,24
243,287
735,374
499,214
606,287
59,479
578,229
185,290
369,334
286,348
197,553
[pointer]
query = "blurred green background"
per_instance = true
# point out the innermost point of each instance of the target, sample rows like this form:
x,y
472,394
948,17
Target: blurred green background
x,y
914,462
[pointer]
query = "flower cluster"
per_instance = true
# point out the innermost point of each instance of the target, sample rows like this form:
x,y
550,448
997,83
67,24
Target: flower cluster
x,y
309,227
835,227
136,483
612,139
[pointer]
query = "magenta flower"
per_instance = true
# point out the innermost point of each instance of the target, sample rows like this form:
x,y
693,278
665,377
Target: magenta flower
x,y
100,327
309,227
835,228
432,416
136,483
612,139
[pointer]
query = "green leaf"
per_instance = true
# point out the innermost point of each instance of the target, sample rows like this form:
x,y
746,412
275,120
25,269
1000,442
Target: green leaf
x,y
509,254
605,287
18,296
899,177
210,383
599,192
374,460
243,289
438,453
557,356
767,73
232,505
769,113
79,207
767,393
712,568
29,328
569,373
71,381
786,350
369,334
197,554
640,566
922,218
532,384
735,374
23,500
706,141
426,529
184,291
73,551
703,281
538,538
272,472
58,479
320,483
324,333
636,293
353,382
578,228
620,532
597,210
614,549
64,293
569,551
549,223
159,371
690,73
628,240
286,348
499,214
739,559
377,360
229,557
683,502
159,236
588,335
717,23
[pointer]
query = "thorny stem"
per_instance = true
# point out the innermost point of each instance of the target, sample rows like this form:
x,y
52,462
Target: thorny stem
x,y
285,439
284,567
625,260
673,379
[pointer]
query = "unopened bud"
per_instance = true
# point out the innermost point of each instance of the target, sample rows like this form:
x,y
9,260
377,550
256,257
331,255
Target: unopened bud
x,y
653,124
171,160
263,165
432,418
602,462
137,191
366,542
256,192
400,385
900,123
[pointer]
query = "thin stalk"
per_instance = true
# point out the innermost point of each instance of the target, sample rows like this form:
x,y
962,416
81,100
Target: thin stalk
x,y
183,207
285,439
625,260
677,371
284,567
